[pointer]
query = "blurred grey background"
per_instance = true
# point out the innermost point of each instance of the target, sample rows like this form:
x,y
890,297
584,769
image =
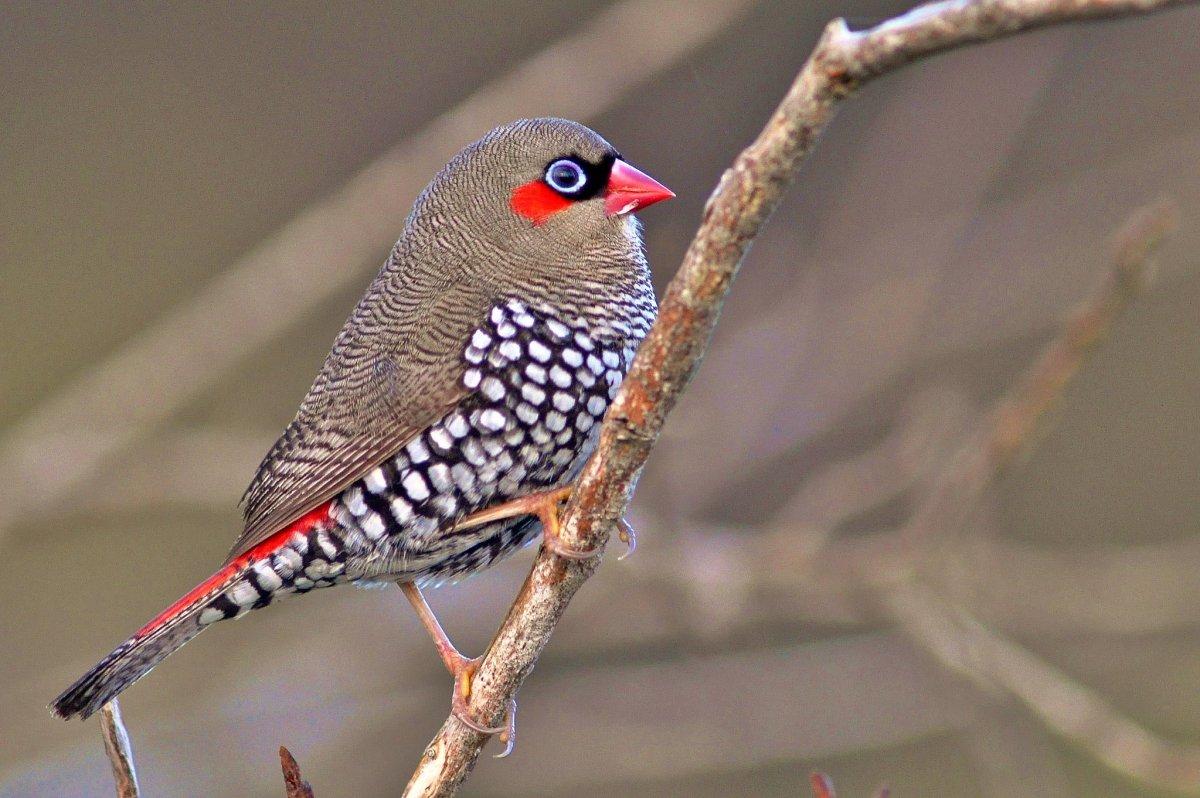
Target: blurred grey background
x,y
194,195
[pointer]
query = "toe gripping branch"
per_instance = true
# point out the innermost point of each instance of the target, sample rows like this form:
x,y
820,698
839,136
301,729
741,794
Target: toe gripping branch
x,y
463,671
546,506
552,535
461,710
548,513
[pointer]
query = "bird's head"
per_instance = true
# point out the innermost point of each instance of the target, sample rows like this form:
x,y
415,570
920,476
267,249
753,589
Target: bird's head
x,y
567,172
543,190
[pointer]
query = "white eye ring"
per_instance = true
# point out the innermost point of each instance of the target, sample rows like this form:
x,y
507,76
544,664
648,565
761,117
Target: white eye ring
x,y
565,176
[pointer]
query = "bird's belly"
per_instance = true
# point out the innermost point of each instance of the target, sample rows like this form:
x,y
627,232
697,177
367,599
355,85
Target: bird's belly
x,y
538,388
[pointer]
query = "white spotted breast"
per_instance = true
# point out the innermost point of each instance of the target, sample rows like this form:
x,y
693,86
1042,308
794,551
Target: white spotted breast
x,y
539,382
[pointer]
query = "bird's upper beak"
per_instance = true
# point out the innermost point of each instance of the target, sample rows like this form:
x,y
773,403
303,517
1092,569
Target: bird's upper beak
x,y
630,189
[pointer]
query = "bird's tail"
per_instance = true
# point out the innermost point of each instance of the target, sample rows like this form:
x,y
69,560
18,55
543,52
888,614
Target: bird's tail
x,y
290,561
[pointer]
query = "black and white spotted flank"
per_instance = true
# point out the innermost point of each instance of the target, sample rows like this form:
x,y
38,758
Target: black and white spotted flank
x,y
540,385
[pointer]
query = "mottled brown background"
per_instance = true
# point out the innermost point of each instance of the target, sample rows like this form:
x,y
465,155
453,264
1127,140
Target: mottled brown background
x,y
951,216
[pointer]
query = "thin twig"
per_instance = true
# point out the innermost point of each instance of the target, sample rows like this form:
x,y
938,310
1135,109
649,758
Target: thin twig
x,y
293,783
1016,418
120,752
743,201
1011,427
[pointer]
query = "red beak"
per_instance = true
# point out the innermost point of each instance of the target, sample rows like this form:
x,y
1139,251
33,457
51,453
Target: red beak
x,y
630,189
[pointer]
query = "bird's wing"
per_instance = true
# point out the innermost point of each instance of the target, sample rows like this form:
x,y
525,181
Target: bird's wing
x,y
395,370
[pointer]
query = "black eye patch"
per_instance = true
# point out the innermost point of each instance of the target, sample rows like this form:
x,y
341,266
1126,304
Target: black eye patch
x,y
576,178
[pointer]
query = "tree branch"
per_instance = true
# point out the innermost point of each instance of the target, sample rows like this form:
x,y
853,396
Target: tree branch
x,y
294,785
120,752
1011,426
743,201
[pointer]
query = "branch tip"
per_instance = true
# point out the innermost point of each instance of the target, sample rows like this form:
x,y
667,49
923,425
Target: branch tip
x,y
822,785
1141,234
293,783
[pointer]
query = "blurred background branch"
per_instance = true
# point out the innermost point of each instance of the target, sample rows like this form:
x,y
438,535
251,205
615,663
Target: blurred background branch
x,y
1069,709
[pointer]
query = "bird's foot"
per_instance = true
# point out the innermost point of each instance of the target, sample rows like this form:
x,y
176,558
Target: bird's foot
x,y
546,506
552,531
547,511
464,672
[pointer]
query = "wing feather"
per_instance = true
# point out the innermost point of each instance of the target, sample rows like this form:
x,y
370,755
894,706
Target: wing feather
x,y
277,496
395,369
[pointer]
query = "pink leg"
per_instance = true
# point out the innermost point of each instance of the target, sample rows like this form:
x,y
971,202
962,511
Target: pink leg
x,y
462,669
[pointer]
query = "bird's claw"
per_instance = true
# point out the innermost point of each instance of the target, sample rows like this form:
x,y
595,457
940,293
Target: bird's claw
x,y
553,540
547,513
627,536
555,545
460,709
509,735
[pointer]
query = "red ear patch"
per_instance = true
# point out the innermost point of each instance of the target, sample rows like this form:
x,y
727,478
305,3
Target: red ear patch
x,y
537,202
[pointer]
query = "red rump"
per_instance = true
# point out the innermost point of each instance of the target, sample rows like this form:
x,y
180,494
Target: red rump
x,y
537,202
303,525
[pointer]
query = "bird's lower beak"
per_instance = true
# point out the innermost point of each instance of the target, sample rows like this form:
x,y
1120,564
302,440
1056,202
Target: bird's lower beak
x,y
630,189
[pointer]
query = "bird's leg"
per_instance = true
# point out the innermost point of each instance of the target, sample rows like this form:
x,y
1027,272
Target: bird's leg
x,y
545,505
463,671
455,662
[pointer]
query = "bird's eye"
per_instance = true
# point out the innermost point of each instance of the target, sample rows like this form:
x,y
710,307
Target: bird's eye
x,y
565,177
